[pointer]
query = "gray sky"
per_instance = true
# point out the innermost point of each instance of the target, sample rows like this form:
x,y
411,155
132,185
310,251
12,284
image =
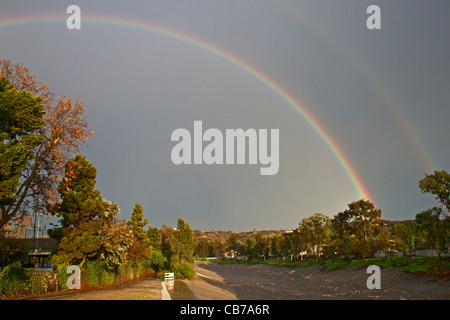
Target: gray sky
x,y
370,90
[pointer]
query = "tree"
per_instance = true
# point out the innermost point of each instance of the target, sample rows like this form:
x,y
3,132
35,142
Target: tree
x,y
140,249
359,226
90,232
315,230
233,242
404,235
435,230
137,222
275,245
21,131
80,201
178,244
154,238
55,132
262,246
341,235
202,248
186,240
249,248
438,184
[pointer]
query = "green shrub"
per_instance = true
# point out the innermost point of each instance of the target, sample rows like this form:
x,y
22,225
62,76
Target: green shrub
x,y
13,280
39,282
183,269
158,260
62,276
160,274
93,273
108,277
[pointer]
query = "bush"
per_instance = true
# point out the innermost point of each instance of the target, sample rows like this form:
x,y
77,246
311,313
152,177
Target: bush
x,y
158,260
160,274
108,277
39,282
12,250
93,273
13,280
183,269
62,276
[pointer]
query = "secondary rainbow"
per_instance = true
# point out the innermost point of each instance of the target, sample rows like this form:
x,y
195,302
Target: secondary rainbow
x,y
241,64
424,156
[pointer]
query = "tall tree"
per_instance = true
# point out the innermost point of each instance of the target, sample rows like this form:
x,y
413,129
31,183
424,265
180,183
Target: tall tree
x,y
316,230
80,201
154,237
178,244
341,235
438,184
141,248
435,230
89,228
405,235
364,222
187,241
58,132
137,222
21,131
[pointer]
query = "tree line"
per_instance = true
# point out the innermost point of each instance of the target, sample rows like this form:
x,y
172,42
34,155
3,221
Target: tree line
x,y
357,232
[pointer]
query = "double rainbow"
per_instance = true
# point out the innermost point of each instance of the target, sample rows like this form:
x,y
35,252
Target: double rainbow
x,y
230,58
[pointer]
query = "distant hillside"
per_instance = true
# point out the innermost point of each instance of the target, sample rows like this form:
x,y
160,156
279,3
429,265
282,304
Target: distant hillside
x,y
223,236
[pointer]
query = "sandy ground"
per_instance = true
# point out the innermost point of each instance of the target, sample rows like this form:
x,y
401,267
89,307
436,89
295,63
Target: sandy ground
x,y
270,282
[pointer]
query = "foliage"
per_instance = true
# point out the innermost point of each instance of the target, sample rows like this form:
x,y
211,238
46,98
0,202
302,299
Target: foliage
x,y
157,260
80,201
438,184
13,280
405,236
357,228
137,222
116,241
94,271
12,250
21,131
89,229
181,243
315,231
140,247
38,282
178,244
154,238
43,132
206,248
183,269
436,232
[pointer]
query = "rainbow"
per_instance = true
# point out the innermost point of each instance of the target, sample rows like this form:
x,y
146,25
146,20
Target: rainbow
x,y
381,92
241,64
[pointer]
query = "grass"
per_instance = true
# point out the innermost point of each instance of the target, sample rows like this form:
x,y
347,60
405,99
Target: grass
x,y
419,265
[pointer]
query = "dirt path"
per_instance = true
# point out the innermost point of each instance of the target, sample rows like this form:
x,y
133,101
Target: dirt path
x,y
270,282
144,289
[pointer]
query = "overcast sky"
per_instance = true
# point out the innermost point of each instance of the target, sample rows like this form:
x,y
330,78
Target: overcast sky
x,y
382,95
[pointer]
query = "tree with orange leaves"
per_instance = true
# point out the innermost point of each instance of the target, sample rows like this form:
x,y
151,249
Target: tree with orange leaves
x,y
63,131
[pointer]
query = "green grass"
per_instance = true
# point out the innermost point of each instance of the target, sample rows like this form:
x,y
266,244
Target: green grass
x,y
419,265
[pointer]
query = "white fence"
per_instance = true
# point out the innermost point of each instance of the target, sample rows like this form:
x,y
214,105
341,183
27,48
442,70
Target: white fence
x,y
169,276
